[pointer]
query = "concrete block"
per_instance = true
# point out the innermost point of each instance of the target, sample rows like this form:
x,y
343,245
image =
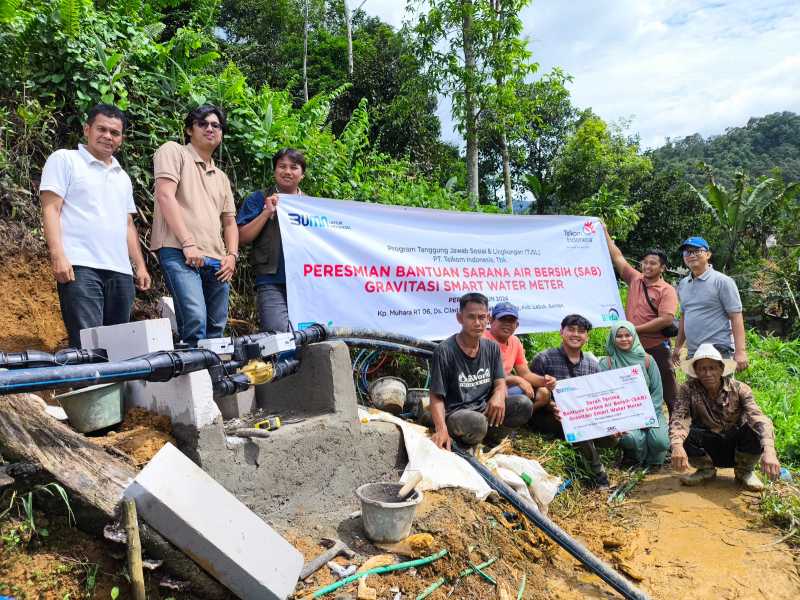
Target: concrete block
x,y
166,308
186,400
237,405
129,339
209,524
322,385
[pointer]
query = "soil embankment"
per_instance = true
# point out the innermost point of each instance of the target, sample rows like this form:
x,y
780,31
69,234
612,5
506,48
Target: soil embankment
x,y
30,316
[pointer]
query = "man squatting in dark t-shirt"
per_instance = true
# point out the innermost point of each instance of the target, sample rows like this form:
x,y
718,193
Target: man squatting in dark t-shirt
x,y
468,386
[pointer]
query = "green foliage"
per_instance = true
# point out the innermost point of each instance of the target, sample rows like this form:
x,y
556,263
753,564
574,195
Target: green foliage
x,y
774,375
8,10
71,13
597,155
21,506
780,505
617,213
670,212
734,211
128,56
763,144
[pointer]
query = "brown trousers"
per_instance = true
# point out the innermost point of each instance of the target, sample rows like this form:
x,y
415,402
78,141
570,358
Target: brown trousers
x,y
662,354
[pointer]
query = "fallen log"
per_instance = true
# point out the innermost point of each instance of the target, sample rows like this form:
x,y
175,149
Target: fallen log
x,y
94,481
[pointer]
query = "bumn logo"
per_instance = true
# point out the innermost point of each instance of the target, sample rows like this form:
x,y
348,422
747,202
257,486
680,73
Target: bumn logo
x,y
305,220
612,315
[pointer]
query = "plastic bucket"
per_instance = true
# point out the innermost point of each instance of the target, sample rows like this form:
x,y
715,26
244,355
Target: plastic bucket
x,y
386,520
92,408
389,394
414,397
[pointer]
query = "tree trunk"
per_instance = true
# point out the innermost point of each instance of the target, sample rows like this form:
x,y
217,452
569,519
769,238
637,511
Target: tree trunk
x,y
305,53
470,102
94,480
348,18
506,172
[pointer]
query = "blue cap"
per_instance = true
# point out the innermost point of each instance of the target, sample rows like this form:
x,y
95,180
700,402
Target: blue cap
x,y
504,309
694,242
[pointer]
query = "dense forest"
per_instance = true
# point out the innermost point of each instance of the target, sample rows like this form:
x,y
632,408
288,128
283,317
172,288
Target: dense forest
x,y
360,98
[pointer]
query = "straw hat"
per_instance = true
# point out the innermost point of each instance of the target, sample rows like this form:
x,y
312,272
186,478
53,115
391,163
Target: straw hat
x,y
708,351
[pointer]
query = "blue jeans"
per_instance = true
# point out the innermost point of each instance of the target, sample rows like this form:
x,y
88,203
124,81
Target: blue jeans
x,y
96,297
201,300
271,304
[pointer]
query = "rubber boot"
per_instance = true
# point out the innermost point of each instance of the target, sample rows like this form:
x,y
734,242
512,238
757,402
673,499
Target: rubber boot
x,y
705,471
743,471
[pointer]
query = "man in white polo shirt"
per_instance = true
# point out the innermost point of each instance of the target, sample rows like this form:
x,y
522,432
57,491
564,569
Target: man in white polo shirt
x,y
87,206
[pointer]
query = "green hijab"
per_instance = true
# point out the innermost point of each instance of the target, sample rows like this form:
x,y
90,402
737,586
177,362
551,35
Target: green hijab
x,y
635,356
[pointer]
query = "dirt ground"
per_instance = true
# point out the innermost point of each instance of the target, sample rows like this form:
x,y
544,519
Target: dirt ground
x,y
140,436
672,541
30,317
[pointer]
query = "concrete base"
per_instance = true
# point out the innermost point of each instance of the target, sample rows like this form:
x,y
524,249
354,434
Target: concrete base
x,y
201,518
237,405
305,474
322,385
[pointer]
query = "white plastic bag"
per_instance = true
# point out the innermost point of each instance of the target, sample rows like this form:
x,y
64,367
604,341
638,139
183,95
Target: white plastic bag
x,y
543,486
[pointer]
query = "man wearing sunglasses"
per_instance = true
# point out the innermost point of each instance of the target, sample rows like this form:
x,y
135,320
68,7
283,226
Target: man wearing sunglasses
x,y
193,202
711,308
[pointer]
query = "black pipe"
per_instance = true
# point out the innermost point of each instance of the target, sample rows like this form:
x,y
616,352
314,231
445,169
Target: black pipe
x,y
158,366
387,347
375,334
558,535
31,359
239,382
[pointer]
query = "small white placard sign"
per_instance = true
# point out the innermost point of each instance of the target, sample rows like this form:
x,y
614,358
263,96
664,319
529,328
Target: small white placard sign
x,y
595,406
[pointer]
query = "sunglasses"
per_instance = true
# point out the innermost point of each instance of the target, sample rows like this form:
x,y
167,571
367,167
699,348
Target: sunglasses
x,y
206,124
693,251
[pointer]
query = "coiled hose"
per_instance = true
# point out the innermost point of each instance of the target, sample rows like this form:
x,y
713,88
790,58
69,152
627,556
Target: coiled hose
x,y
376,334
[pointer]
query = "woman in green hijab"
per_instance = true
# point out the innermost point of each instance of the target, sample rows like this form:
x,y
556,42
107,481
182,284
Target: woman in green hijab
x,y
647,447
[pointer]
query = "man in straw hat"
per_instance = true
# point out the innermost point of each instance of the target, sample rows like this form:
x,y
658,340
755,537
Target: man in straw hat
x,y
717,423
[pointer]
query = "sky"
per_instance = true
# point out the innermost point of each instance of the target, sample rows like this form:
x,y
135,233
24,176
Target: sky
x,y
674,67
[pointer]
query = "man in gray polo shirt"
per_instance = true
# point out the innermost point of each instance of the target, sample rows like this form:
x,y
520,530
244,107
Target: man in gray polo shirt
x,y
711,309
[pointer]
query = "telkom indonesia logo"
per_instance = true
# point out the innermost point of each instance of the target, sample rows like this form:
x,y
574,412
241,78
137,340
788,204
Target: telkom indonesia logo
x,y
589,228
635,371
305,220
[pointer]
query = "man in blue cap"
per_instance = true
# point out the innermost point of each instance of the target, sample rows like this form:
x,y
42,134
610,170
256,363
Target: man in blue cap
x,y
503,322
711,309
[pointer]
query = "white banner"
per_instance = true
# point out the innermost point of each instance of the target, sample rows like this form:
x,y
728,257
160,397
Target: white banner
x,y
594,406
403,269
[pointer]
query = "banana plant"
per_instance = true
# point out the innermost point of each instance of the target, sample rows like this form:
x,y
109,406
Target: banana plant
x,y
734,210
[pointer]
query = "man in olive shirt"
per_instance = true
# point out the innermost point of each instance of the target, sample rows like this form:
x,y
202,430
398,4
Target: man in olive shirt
x,y
468,385
192,197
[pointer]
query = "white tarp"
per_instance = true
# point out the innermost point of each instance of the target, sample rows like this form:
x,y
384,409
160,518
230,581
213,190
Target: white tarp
x,y
594,406
403,269
443,469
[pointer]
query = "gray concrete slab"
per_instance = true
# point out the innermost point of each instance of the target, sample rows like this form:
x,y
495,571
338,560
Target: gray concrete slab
x,y
209,524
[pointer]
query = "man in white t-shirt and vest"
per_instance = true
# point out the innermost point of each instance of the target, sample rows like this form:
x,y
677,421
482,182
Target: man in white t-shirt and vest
x,y
87,208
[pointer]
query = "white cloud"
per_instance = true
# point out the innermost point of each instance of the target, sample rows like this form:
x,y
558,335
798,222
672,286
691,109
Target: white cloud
x,y
677,66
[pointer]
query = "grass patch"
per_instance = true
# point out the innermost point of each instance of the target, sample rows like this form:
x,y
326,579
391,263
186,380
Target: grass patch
x,y
774,375
780,506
